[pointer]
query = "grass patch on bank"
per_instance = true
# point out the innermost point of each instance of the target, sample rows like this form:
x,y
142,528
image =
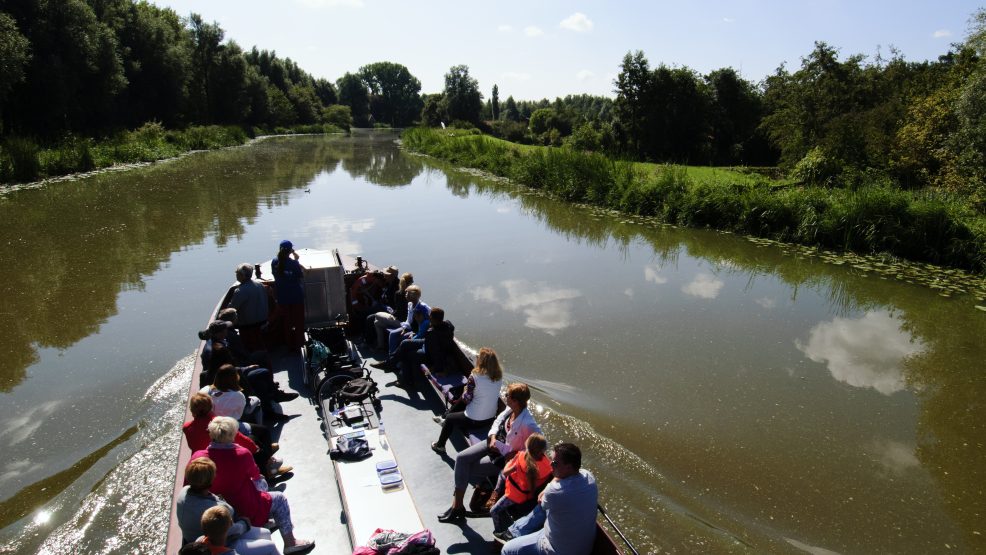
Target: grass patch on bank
x,y
927,226
22,160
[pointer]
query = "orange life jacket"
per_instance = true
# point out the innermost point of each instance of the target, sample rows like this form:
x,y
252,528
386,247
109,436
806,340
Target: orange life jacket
x,y
517,488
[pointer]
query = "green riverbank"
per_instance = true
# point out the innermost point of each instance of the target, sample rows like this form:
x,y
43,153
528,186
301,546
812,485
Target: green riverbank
x,y
22,160
926,226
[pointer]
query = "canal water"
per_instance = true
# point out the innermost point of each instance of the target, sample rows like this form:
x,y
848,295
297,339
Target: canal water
x,y
729,396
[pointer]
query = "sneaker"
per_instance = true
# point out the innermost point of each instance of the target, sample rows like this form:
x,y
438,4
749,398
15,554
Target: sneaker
x,y
285,396
438,420
274,462
300,546
440,449
503,537
383,365
274,447
280,471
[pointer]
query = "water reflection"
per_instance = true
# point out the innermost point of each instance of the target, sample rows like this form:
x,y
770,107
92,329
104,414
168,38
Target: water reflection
x,y
547,308
897,457
652,273
331,232
703,286
866,352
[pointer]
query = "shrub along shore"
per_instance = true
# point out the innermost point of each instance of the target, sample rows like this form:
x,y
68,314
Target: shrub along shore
x,y
926,225
22,160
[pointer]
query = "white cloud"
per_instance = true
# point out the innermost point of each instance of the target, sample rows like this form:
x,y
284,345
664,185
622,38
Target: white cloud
x,y
516,76
585,74
863,352
577,22
628,292
895,456
21,427
941,33
505,28
331,3
652,273
728,20
703,286
547,308
331,232
533,31
766,302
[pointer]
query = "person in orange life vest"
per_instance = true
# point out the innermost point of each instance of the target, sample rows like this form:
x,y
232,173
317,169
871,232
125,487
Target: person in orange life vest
x,y
524,477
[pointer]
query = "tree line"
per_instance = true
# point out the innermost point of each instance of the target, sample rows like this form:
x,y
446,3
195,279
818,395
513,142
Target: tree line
x,y
95,67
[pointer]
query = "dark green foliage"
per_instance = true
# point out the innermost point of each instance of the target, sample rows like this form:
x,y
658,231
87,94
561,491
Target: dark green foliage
x,y
354,93
394,94
19,160
461,97
510,112
869,219
495,103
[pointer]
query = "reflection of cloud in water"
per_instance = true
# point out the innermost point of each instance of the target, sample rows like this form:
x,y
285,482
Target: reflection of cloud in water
x,y
331,232
703,286
14,469
19,428
628,292
766,302
896,456
812,549
863,352
652,273
547,308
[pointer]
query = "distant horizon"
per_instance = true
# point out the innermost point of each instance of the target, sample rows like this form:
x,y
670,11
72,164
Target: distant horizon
x,y
554,49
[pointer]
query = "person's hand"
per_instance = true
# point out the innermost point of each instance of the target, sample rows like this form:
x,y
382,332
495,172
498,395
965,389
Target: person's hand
x,y
491,443
252,367
295,254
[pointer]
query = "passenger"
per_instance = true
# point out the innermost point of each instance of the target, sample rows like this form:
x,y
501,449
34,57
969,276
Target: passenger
x,y
409,327
242,355
289,280
259,380
239,482
507,436
567,510
523,478
433,349
216,522
476,408
227,395
258,442
195,499
407,341
370,293
380,323
250,301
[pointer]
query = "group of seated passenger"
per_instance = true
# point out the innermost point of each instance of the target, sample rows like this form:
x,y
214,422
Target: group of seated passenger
x,y
226,505
539,505
225,475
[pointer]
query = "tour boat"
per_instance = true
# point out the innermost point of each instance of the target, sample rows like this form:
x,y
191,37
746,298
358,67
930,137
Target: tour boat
x,y
403,485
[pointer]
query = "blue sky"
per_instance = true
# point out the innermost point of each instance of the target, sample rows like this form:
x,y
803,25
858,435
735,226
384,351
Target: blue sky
x,y
550,48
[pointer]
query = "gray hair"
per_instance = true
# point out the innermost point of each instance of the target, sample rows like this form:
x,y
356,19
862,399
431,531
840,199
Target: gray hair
x,y
412,290
222,429
244,271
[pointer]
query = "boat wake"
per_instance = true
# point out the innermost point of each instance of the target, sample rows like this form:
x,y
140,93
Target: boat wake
x,y
127,509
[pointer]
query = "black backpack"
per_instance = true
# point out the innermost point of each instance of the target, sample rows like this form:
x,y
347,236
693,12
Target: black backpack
x,y
354,390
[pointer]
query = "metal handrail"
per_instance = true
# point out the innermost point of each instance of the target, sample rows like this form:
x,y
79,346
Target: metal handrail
x,y
617,529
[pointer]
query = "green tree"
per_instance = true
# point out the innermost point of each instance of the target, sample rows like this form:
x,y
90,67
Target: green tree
x,y
433,112
632,107
394,93
462,101
495,103
14,56
510,112
736,112
354,93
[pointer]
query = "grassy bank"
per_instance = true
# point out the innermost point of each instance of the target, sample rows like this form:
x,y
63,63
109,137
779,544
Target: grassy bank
x,y
923,225
23,160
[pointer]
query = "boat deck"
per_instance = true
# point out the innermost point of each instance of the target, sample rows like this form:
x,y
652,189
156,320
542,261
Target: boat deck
x,y
316,507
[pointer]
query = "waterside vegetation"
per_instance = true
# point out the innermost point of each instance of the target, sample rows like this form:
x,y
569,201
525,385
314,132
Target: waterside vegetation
x,y
923,225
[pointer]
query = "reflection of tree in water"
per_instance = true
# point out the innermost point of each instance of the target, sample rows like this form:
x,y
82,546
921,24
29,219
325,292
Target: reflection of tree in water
x,y
71,247
374,157
947,376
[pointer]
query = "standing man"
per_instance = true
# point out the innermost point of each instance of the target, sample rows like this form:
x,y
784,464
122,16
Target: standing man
x,y
569,508
250,302
289,280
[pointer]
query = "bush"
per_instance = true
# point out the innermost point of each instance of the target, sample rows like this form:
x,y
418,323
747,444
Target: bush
x,y
816,168
19,161
338,115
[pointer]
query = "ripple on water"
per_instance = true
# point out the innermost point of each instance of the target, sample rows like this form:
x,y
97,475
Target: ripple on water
x,y
127,510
